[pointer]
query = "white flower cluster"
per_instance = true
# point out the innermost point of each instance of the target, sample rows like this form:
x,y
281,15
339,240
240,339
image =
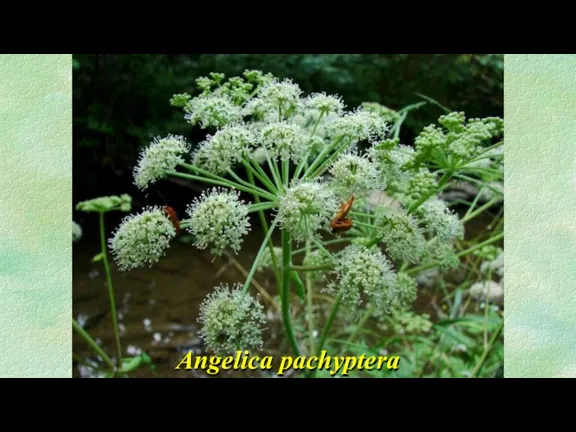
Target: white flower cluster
x,y
363,271
305,208
142,239
159,158
220,219
231,320
221,151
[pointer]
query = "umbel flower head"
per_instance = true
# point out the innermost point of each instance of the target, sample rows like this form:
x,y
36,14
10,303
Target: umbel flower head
x,y
284,140
159,158
280,98
364,271
231,320
142,239
221,151
325,104
440,220
305,208
401,233
212,110
220,219
355,175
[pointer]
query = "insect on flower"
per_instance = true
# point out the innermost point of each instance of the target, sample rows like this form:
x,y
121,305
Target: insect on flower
x,y
173,217
341,223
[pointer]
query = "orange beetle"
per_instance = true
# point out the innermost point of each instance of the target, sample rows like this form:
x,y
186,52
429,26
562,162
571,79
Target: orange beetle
x,y
341,223
173,217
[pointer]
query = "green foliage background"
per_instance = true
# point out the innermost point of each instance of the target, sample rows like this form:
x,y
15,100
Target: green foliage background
x,y
121,101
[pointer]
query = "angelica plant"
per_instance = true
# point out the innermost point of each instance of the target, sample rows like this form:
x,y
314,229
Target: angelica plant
x,y
314,170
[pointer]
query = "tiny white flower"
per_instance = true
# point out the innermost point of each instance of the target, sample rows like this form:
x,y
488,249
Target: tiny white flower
x,y
159,158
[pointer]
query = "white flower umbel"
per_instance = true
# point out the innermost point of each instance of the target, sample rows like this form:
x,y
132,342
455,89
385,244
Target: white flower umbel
x,y
355,175
400,232
363,271
231,320
325,104
212,110
284,141
305,208
159,158
220,219
358,125
142,239
275,98
440,220
221,151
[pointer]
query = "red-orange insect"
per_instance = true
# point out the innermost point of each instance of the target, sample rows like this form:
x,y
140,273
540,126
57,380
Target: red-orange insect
x,y
340,222
173,217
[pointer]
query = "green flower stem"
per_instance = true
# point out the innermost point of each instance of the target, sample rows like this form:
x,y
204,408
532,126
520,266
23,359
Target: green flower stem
x,y
460,254
258,168
237,185
480,209
310,268
488,349
110,291
285,172
320,158
326,243
285,291
275,265
326,164
259,206
97,350
478,182
225,183
247,184
260,175
486,150
301,164
275,174
328,325
258,256
309,303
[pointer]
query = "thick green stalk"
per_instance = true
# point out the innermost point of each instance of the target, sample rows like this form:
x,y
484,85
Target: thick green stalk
x,y
309,303
97,350
110,291
285,292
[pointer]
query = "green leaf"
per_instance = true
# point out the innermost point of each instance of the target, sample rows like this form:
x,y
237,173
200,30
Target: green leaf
x,y
300,288
106,204
109,375
98,257
131,364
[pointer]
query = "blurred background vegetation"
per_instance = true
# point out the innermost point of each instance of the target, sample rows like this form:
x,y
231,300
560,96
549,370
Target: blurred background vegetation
x,y
122,101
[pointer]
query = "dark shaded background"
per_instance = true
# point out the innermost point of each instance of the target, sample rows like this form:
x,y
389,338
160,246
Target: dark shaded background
x,y
122,101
